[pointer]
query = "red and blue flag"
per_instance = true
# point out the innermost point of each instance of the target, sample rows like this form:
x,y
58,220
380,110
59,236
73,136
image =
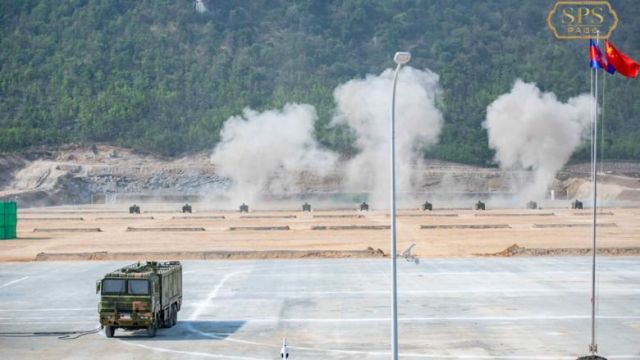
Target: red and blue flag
x,y
596,58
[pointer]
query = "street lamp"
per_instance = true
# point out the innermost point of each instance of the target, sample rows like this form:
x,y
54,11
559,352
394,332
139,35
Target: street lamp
x,y
400,58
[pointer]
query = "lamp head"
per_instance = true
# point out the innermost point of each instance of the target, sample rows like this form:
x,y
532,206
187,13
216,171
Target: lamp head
x,y
402,57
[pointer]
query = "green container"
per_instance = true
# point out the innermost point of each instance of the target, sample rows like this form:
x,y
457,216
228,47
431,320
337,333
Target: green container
x,y
7,233
11,232
10,207
8,214
10,220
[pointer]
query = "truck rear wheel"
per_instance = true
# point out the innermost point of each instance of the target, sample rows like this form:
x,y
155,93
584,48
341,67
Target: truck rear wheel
x,y
109,330
165,323
174,315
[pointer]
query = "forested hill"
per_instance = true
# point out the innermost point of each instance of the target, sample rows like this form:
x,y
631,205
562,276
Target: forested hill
x,y
163,75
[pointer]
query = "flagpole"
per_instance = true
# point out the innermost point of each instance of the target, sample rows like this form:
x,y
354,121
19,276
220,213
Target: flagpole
x,y
602,107
593,348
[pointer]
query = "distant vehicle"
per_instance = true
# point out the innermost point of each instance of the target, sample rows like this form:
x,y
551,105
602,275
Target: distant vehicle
x,y
134,209
186,208
576,205
480,205
364,206
244,208
306,207
532,205
427,206
140,296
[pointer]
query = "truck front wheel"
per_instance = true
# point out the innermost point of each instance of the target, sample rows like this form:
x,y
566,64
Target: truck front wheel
x,y
109,330
152,328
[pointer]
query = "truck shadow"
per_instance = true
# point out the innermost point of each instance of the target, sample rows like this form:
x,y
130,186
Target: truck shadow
x,y
188,330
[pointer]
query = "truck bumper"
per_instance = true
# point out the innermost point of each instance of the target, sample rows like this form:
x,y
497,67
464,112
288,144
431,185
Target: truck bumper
x,y
126,320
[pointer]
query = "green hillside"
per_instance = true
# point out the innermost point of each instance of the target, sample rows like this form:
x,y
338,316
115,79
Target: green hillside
x,y
158,75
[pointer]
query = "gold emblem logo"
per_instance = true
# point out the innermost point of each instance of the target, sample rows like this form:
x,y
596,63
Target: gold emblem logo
x,y
571,20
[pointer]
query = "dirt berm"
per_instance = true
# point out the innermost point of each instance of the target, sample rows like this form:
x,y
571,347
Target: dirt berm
x,y
515,250
211,255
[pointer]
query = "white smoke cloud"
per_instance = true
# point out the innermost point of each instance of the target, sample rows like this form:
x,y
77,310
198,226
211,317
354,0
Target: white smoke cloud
x,y
260,152
533,130
265,153
365,105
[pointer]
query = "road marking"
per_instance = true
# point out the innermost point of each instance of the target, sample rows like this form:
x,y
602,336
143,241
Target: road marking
x,y
430,319
190,353
449,356
13,282
50,309
369,320
201,307
439,292
47,322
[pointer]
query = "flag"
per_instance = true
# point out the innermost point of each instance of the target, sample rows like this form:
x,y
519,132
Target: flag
x,y
596,61
621,62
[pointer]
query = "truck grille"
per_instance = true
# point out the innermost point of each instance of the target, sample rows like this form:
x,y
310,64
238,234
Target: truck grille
x,y
122,306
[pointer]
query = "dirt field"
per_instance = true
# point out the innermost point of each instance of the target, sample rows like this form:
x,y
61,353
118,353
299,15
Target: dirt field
x,y
441,233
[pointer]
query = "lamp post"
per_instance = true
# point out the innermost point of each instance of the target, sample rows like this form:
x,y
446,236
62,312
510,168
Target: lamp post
x,y
400,58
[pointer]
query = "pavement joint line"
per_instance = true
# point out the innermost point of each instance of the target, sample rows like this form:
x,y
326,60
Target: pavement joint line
x,y
49,309
47,322
469,273
434,319
190,353
13,282
427,292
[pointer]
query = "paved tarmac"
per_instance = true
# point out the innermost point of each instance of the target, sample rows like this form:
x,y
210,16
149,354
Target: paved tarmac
x,y
476,308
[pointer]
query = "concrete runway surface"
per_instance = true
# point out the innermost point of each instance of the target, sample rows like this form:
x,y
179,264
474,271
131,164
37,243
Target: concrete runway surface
x,y
481,308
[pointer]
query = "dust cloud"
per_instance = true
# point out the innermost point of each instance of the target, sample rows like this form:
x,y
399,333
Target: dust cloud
x,y
365,105
264,153
530,129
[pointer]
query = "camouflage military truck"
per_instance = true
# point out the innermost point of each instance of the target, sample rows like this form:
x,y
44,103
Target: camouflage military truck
x,y
140,296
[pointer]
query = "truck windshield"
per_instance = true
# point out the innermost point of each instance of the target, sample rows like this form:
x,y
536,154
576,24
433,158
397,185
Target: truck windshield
x,y
113,286
138,287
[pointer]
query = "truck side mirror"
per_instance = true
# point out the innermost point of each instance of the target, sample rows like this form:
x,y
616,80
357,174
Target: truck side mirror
x,y
98,286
